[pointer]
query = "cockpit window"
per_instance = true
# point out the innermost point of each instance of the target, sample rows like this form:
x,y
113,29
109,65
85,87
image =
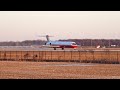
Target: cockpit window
x,y
74,44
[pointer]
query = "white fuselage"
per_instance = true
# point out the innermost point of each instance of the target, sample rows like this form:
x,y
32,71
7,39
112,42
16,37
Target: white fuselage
x,y
62,44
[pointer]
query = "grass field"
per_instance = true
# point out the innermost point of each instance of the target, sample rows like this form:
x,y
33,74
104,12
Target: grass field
x,y
57,70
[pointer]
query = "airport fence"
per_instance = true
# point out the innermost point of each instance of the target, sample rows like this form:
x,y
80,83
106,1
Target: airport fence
x,y
63,56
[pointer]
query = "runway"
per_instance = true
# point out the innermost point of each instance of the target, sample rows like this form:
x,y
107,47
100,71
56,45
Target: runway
x,y
39,48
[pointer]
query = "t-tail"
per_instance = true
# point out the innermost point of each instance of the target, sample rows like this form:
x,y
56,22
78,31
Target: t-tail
x,y
47,37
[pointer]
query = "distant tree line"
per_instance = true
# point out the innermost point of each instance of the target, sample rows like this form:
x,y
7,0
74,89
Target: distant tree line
x,y
82,42
23,43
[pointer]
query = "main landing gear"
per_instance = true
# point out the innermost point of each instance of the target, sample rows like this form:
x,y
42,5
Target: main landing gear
x,y
62,48
55,48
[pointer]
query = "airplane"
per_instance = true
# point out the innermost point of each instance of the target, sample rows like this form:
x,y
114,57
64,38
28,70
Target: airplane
x,y
59,44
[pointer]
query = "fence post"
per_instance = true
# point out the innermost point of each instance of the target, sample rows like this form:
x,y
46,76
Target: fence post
x,y
79,57
45,55
58,55
64,54
109,56
21,55
16,56
42,55
93,56
85,55
33,56
39,57
51,55
5,55
101,56
0,55
27,56
117,57
10,55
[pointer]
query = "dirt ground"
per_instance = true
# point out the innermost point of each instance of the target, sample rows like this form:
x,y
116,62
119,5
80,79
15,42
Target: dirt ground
x,y
57,70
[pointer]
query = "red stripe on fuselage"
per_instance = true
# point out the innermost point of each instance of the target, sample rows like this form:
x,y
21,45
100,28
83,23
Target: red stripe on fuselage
x,y
68,46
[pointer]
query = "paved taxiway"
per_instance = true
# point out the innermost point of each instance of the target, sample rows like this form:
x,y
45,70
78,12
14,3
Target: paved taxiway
x,y
38,48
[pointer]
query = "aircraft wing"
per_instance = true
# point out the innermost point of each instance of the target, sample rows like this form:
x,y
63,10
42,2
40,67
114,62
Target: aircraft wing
x,y
50,46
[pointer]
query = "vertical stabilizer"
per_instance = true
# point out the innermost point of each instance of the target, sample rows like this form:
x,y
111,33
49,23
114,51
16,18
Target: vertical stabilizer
x,y
47,37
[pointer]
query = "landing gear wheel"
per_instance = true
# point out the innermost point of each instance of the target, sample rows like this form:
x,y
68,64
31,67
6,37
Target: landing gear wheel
x,y
54,48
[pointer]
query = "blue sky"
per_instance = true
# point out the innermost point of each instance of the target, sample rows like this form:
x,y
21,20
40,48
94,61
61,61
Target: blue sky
x,y
26,25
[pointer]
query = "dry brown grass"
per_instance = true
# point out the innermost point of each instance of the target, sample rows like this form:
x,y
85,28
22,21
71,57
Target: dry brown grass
x,y
57,70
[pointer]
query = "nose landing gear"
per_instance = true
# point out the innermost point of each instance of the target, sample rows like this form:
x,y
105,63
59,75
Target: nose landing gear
x,y
54,48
